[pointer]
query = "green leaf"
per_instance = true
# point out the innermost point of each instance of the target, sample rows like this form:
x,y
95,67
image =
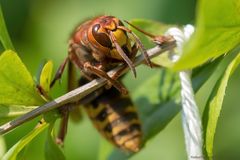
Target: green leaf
x,y
217,32
159,119
15,150
105,148
8,113
4,37
155,28
2,147
16,83
205,77
201,74
158,103
214,105
45,76
52,150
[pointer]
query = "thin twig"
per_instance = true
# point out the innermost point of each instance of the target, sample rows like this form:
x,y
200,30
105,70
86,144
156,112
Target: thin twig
x,y
81,92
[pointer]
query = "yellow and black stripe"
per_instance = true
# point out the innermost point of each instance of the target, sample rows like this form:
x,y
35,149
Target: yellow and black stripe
x,y
116,118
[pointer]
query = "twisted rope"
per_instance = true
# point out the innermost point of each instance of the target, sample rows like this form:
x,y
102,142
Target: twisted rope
x,y
190,115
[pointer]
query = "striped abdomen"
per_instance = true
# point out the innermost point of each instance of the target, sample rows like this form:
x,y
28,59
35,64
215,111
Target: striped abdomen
x,y
116,119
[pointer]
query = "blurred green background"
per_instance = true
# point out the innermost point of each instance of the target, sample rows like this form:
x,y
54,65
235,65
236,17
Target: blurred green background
x,y
40,30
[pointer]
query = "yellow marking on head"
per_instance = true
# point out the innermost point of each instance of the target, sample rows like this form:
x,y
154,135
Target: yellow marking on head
x,y
122,40
114,54
120,37
110,26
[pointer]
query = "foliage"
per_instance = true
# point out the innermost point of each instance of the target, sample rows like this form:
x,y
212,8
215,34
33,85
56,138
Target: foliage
x,y
12,153
17,85
158,99
4,37
52,150
217,32
3,147
214,105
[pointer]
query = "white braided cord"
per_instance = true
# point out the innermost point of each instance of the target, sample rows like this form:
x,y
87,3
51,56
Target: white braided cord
x,y
191,120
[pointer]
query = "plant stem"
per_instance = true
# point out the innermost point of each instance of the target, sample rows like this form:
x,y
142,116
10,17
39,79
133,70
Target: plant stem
x,y
4,36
